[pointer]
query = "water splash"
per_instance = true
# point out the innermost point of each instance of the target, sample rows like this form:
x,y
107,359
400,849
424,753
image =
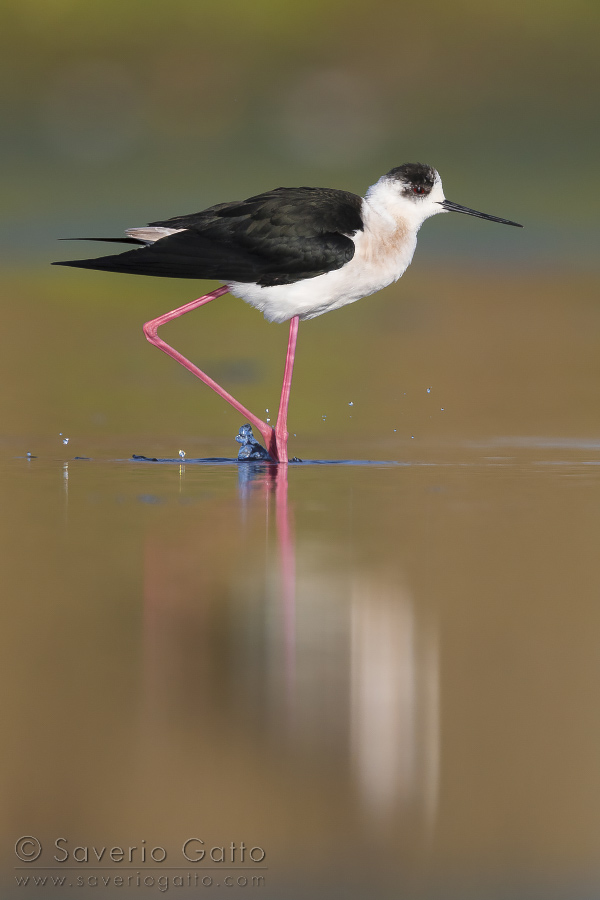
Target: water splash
x,y
250,448
182,454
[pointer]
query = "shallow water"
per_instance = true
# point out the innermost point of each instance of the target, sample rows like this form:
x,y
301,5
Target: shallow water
x,y
382,671
384,676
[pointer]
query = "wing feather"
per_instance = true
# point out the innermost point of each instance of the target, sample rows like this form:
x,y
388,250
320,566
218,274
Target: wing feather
x,y
279,237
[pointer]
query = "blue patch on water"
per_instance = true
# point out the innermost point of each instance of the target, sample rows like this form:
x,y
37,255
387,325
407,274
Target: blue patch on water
x,y
225,461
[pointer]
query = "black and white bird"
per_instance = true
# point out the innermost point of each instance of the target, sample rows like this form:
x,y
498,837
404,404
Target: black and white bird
x,y
293,253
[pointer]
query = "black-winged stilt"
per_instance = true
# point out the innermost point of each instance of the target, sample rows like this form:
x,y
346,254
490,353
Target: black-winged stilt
x,y
293,253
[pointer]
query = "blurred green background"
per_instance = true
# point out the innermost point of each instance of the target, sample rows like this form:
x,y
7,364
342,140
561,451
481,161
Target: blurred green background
x,y
116,114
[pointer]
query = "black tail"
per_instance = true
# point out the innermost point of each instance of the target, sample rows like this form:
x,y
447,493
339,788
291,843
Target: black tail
x,y
185,254
134,262
142,261
123,240
104,261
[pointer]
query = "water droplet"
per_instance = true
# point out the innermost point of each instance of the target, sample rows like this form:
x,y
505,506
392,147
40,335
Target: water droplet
x,y
294,435
351,403
428,390
395,430
266,410
29,454
323,417
182,454
442,408
65,440
268,420
412,437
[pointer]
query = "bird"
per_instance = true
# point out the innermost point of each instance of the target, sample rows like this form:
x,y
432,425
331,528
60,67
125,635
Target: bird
x,y
292,253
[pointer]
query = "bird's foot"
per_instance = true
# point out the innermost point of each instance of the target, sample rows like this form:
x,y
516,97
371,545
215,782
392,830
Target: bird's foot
x,y
250,448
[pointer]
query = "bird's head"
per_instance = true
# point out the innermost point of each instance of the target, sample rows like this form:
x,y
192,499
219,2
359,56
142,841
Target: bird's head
x,y
413,192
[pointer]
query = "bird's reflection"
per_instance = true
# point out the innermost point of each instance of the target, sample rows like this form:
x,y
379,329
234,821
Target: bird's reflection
x,y
238,556
250,617
272,482
394,698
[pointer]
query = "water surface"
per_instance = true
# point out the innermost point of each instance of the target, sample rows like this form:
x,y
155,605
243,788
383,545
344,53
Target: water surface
x,y
382,675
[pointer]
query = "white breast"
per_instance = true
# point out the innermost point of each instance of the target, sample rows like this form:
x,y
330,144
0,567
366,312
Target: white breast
x,y
383,251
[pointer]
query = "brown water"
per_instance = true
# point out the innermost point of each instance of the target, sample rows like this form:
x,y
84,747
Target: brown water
x,y
382,676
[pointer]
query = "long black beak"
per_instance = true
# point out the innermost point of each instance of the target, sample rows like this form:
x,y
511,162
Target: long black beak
x,y
456,207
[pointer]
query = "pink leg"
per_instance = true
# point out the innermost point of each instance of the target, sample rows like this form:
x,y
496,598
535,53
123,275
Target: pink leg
x,y
281,433
151,329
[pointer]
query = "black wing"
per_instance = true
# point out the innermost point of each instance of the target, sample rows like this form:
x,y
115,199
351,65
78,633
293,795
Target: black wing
x,y
278,237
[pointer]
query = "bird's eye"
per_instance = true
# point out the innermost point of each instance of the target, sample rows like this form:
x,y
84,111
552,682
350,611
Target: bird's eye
x,y
418,190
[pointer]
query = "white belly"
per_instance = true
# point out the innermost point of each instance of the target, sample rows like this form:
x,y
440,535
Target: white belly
x,y
379,260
